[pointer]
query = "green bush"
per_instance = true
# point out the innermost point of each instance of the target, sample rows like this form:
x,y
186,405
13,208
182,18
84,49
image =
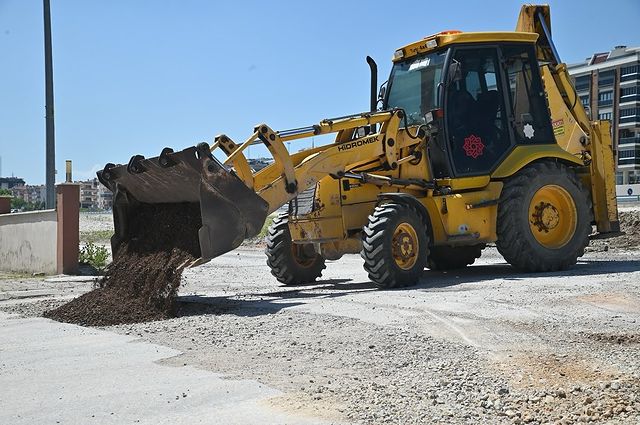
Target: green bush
x,y
94,236
94,255
20,204
265,227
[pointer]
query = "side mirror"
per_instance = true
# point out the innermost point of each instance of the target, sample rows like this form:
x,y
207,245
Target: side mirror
x,y
455,72
383,91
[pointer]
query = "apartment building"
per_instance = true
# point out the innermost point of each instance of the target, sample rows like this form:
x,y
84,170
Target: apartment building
x,y
34,194
608,85
94,196
11,182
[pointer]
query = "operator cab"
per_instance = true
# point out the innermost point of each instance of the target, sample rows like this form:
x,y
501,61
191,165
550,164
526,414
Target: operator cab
x,y
478,97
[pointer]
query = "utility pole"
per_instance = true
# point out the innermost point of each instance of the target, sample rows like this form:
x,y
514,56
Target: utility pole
x,y
50,199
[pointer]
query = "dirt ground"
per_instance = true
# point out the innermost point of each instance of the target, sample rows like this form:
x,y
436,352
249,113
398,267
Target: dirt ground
x,y
484,344
480,345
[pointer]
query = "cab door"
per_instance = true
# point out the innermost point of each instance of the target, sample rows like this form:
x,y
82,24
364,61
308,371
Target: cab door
x,y
477,130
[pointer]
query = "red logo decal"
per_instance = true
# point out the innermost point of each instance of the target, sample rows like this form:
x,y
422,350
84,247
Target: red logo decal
x,y
473,146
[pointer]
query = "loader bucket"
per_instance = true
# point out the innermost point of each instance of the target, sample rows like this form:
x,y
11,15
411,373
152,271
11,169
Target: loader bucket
x,y
230,211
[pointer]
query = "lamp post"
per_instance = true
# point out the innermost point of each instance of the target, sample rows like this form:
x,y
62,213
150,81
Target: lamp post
x,y
50,199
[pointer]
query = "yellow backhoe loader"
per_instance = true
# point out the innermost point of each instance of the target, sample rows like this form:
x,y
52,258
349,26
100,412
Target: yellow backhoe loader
x,y
476,138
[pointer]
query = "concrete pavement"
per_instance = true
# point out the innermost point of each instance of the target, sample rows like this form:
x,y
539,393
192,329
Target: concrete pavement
x,y
54,373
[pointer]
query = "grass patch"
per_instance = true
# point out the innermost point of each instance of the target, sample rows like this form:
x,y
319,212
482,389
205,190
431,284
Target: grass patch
x,y
95,236
265,226
16,275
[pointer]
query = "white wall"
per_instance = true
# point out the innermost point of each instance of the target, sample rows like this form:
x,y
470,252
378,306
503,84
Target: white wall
x,y
28,241
623,189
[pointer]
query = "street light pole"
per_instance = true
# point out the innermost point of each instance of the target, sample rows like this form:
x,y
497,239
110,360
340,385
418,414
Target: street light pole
x,y
50,199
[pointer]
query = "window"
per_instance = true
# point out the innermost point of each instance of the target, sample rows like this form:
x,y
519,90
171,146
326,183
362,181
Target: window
x,y
605,116
630,73
532,123
585,100
413,86
606,78
628,112
605,98
625,133
583,82
629,154
633,69
628,91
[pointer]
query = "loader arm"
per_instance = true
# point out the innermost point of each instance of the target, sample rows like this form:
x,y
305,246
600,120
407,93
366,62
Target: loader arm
x,y
234,201
291,174
574,131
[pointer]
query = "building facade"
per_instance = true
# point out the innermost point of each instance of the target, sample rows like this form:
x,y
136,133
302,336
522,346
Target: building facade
x,y
608,85
11,182
35,194
94,195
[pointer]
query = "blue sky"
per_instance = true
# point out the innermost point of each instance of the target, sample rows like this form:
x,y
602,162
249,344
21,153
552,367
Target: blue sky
x,y
132,77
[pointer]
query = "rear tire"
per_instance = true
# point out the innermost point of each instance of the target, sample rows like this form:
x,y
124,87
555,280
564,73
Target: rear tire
x,y
443,258
291,264
544,218
395,246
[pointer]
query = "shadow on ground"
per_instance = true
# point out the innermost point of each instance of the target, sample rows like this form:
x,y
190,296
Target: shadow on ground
x,y
262,303
480,273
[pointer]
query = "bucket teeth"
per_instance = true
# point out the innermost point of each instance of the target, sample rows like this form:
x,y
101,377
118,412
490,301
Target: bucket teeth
x,y
106,171
229,210
203,150
165,160
135,165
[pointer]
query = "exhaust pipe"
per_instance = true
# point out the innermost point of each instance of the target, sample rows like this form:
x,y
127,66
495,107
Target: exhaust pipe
x,y
373,106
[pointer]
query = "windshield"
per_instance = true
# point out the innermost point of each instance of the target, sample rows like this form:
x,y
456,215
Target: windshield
x,y
413,86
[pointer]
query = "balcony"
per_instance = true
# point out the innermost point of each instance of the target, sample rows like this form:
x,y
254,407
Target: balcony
x,y
606,82
629,119
607,102
582,86
629,140
629,77
629,161
630,98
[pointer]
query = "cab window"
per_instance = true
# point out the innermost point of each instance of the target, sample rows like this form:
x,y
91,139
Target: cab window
x,y
531,121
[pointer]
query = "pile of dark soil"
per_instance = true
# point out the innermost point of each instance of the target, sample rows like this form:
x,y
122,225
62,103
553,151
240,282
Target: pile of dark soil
x,y
630,225
141,283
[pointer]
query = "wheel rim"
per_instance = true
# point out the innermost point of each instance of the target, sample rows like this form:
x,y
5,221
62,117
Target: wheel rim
x,y
405,246
552,216
299,256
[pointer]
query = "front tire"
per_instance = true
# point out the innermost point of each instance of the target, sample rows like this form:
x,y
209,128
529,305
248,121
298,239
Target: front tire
x,y
395,246
290,263
544,218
